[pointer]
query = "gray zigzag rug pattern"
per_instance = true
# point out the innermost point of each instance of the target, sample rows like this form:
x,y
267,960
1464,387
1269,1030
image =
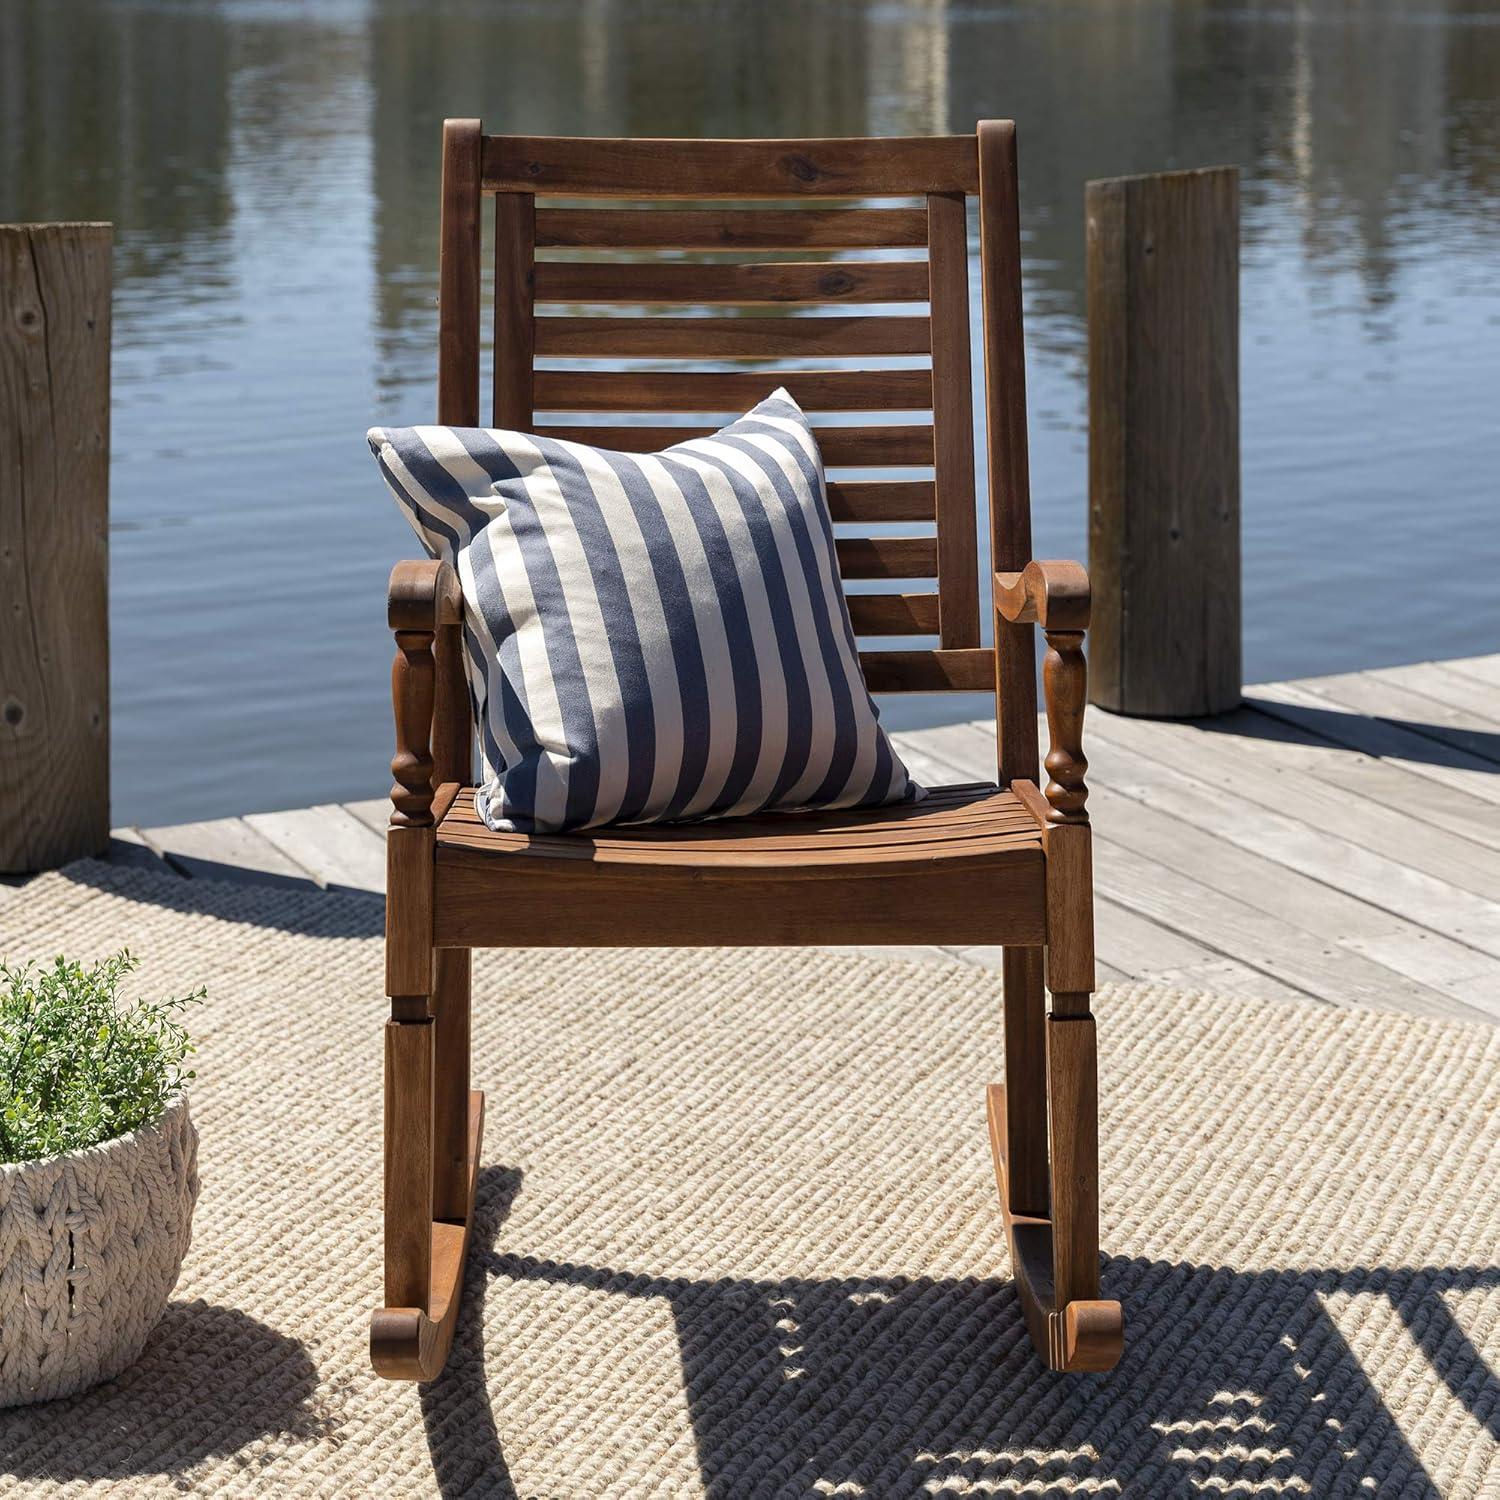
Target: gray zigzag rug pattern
x,y
737,1235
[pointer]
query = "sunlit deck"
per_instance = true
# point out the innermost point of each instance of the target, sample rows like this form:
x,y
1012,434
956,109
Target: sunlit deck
x,y
1337,837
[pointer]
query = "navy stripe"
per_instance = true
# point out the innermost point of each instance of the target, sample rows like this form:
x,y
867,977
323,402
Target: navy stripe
x,y
507,696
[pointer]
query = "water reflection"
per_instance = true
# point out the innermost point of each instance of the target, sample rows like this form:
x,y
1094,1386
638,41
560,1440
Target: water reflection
x,y
271,168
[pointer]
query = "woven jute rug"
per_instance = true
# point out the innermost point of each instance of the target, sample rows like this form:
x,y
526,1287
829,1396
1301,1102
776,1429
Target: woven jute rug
x,y
737,1235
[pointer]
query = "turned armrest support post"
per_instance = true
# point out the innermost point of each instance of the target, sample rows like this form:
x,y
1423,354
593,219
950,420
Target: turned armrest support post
x,y
1055,595
424,598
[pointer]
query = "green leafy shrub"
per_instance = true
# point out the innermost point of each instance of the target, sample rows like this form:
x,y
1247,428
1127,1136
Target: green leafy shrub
x,y
77,1064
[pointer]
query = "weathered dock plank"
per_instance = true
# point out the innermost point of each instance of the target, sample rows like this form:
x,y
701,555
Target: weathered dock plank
x,y
1472,695
1155,858
1481,668
1236,765
1394,699
373,812
334,846
1382,865
128,846
225,849
1425,757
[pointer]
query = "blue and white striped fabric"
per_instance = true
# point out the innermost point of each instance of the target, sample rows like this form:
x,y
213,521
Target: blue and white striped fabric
x,y
650,637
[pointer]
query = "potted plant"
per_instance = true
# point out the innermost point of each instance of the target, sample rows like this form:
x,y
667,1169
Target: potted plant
x,y
98,1172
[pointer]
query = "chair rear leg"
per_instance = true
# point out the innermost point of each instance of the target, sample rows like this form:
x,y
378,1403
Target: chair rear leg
x,y
1025,1093
408,1160
451,1168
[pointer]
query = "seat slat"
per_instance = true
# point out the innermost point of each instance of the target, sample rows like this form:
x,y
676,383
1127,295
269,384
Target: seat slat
x,y
874,500
894,614
731,228
887,556
730,840
579,166
723,285
842,447
731,390
969,670
730,338
945,805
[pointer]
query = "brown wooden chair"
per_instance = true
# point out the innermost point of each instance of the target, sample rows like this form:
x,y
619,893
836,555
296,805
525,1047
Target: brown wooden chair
x,y
1002,863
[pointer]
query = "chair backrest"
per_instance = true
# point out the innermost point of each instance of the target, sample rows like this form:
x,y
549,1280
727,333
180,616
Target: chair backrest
x,y
789,185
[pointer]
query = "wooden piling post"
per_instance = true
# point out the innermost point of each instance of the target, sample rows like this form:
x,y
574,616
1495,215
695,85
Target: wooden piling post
x,y
1164,442
54,513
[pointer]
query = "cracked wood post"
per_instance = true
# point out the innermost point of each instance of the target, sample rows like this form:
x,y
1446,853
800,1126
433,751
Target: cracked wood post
x,y
54,557
1164,442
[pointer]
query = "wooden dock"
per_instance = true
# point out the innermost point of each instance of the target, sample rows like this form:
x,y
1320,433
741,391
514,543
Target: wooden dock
x,y
1336,837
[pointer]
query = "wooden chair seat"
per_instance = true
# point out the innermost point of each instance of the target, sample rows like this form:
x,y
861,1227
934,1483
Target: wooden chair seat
x,y
815,877
953,822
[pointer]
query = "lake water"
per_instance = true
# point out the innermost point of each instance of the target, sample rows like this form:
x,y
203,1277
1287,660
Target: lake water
x,y
272,172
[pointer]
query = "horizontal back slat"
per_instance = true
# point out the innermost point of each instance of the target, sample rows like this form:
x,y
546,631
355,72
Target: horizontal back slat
x,y
731,390
894,614
969,670
842,447
876,500
579,166
887,556
765,282
731,228
729,338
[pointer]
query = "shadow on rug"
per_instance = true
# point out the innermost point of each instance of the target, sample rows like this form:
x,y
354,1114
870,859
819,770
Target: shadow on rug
x,y
1263,1394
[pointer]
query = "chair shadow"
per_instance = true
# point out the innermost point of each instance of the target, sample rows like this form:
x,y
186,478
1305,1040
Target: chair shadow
x,y
882,1386
467,1458
338,911
210,1382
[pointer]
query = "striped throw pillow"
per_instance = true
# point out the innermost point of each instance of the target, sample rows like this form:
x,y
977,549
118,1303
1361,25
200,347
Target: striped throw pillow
x,y
650,637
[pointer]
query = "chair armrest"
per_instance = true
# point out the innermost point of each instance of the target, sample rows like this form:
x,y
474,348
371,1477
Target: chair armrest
x,y
424,597
1055,595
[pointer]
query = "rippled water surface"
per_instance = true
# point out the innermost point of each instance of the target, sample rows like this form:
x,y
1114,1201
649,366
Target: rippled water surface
x,y
272,172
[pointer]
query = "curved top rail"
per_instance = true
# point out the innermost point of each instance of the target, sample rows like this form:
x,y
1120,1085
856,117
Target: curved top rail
x,y
849,167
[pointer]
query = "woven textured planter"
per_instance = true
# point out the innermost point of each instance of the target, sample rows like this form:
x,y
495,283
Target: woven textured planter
x,y
90,1247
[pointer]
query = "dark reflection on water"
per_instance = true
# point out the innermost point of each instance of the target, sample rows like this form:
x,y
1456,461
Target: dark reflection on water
x,y
271,169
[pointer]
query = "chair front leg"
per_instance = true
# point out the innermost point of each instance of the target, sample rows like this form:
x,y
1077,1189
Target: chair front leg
x,y
433,1124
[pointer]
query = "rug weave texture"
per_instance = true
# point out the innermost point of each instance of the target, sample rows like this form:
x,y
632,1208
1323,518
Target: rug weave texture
x,y
737,1235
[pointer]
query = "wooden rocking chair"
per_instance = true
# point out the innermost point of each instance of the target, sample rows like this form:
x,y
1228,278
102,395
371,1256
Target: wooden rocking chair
x,y
997,864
